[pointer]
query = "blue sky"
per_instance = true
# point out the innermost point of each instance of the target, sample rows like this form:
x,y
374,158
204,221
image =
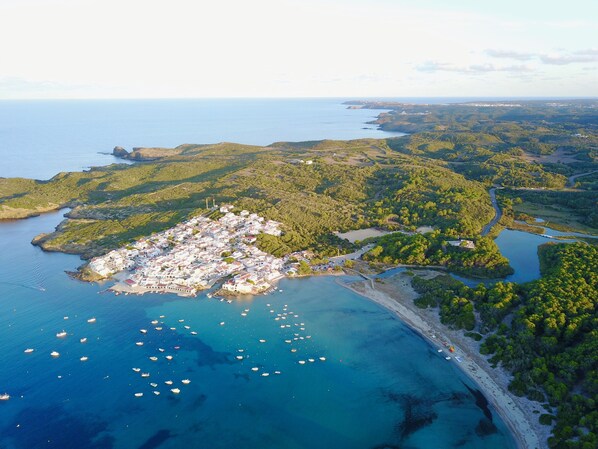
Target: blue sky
x,y
295,48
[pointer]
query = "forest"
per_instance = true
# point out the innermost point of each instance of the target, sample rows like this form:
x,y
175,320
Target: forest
x,y
545,332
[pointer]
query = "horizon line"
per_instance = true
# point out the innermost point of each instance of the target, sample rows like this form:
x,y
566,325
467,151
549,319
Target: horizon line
x,y
346,98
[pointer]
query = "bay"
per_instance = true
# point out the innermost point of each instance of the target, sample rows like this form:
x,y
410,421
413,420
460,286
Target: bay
x,y
381,385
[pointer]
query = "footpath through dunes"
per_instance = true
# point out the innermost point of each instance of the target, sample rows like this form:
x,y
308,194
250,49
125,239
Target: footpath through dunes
x,y
396,295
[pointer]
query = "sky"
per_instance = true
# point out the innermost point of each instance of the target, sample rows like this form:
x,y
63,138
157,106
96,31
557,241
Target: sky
x,y
297,48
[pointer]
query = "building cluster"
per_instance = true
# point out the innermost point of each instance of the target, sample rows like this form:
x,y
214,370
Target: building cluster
x,y
195,254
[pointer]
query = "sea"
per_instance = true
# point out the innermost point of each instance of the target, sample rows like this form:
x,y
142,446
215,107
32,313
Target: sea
x,y
335,370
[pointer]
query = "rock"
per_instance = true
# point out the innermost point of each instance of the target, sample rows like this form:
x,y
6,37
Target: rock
x,y
120,152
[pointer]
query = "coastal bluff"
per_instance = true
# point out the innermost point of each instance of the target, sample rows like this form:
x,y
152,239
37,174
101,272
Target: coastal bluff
x,y
145,153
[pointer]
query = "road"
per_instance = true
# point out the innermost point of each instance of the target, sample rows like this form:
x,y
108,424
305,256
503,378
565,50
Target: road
x,y
497,212
571,180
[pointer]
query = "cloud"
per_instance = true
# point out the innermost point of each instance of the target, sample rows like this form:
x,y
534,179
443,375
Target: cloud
x,y
434,66
564,59
510,54
561,58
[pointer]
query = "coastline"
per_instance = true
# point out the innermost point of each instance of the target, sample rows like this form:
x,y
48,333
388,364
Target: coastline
x,y
493,382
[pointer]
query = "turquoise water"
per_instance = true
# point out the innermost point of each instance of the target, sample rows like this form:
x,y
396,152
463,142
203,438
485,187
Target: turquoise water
x,y
41,138
381,386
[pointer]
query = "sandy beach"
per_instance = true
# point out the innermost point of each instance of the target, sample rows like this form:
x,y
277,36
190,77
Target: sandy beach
x,y
396,295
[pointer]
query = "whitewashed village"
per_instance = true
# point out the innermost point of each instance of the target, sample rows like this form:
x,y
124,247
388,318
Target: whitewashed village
x,y
196,254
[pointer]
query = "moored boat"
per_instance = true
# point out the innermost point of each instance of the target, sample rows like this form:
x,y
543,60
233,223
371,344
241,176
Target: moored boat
x,y
91,320
55,354
28,350
61,334
175,390
4,397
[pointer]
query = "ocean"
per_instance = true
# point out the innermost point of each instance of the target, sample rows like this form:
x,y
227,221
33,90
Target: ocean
x,y
39,139
379,384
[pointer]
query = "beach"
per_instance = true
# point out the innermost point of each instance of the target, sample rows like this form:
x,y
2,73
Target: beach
x,y
396,295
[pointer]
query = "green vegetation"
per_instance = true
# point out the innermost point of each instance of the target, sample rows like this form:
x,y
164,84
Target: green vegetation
x,y
350,185
432,249
551,345
565,210
545,332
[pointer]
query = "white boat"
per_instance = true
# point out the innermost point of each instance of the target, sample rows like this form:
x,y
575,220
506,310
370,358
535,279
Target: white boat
x,y
276,372
139,343
143,331
55,354
153,358
175,390
145,374
181,321
83,340
243,314
84,358
288,341
136,369
293,350
138,395
161,349
301,362
61,334
187,327
4,397
186,381
222,323
28,350
153,384
158,328
239,357
157,393
155,322
168,382
311,360
447,357
162,316
91,320
168,357
262,341
265,374
255,368
323,359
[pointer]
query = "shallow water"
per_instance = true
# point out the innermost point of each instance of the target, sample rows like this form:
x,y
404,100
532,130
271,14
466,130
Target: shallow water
x,y
380,386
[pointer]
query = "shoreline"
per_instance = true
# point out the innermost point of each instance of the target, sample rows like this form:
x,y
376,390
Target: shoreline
x,y
514,411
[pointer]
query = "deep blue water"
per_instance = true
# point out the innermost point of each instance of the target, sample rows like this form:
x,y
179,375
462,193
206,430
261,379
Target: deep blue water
x,y
380,384
41,138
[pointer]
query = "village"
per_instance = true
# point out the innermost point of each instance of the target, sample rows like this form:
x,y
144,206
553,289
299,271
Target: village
x,y
196,254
